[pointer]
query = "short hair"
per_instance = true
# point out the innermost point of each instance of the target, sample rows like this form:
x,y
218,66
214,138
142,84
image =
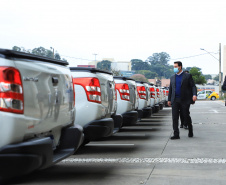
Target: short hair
x,y
179,63
186,71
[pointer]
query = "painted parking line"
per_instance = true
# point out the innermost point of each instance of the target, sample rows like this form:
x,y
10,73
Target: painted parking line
x,y
109,144
132,135
147,160
208,112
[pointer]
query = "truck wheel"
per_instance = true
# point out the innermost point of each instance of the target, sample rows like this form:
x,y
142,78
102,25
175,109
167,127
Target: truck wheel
x,y
86,141
213,98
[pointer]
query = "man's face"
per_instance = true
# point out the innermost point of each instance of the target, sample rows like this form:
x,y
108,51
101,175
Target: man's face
x,y
176,66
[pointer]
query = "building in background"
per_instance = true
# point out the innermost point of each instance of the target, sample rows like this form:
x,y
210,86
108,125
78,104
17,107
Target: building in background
x,y
124,67
91,66
121,65
224,63
162,82
127,73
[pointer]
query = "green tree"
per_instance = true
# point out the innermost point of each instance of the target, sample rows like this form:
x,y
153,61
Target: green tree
x,y
41,51
159,58
159,64
148,74
104,64
138,64
197,75
139,77
207,77
57,56
116,72
189,68
16,48
217,77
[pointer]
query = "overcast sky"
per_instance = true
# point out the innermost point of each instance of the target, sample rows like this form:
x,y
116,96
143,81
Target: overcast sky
x,y
119,29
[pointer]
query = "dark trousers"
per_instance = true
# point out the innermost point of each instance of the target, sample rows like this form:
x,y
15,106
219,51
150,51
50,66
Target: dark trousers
x,y
178,107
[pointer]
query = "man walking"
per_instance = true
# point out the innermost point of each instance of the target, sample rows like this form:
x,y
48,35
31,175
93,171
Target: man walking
x,y
182,93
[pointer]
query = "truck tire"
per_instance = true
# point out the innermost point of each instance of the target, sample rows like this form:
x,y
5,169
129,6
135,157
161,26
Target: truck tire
x,y
213,98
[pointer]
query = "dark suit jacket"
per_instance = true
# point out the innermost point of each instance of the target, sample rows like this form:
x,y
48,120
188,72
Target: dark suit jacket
x,y
224,84
188,89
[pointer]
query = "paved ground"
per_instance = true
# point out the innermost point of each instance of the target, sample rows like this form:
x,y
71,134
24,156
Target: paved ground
x,y
143,154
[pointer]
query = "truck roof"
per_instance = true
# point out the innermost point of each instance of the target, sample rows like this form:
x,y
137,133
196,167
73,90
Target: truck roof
x,y
123,78
141,82
17,54
89,69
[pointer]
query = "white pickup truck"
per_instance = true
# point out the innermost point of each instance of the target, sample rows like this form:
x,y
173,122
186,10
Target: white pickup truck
x,y
96,102
37,113
144,110
127,99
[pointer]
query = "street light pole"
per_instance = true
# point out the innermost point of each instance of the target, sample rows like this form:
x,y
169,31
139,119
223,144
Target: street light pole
x,y
53,51
219,60
220,70
95,59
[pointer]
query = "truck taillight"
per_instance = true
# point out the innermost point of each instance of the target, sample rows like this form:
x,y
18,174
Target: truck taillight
x,y
158,93
152,90
167,93
73,90
123,91
11,91
141,92
92,88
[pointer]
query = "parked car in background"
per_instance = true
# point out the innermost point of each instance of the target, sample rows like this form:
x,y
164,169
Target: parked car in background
x,y
37,113
95,102
207,94
144,109
127,99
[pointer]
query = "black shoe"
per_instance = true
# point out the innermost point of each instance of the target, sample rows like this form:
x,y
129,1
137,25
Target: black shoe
x,y
181,126
190,134
185,127
175,137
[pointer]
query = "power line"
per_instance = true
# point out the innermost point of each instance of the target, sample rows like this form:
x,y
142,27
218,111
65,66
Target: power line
x,y
193,56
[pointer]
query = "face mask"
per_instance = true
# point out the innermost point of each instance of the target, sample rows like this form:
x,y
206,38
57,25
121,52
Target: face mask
x,y
176,70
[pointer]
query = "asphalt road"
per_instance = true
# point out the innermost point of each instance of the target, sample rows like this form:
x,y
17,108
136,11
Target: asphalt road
x,y
144,154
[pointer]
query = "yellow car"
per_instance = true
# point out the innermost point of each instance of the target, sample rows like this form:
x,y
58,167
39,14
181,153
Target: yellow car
x,y
207,94
213,96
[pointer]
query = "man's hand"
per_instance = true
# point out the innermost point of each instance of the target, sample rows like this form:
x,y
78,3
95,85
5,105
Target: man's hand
x,y
169,103
194,98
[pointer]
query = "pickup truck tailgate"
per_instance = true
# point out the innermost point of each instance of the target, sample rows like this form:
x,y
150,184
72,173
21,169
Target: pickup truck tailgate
x,y
48,93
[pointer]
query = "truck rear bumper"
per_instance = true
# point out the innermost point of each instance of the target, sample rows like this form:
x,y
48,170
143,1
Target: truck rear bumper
x,y
161,105
130,118
147,112
98,129
23,158
117,122
157,108
144,113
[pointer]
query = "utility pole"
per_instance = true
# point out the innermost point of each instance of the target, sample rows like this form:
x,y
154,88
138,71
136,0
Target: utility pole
x,y
220,93
219,60
95,59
